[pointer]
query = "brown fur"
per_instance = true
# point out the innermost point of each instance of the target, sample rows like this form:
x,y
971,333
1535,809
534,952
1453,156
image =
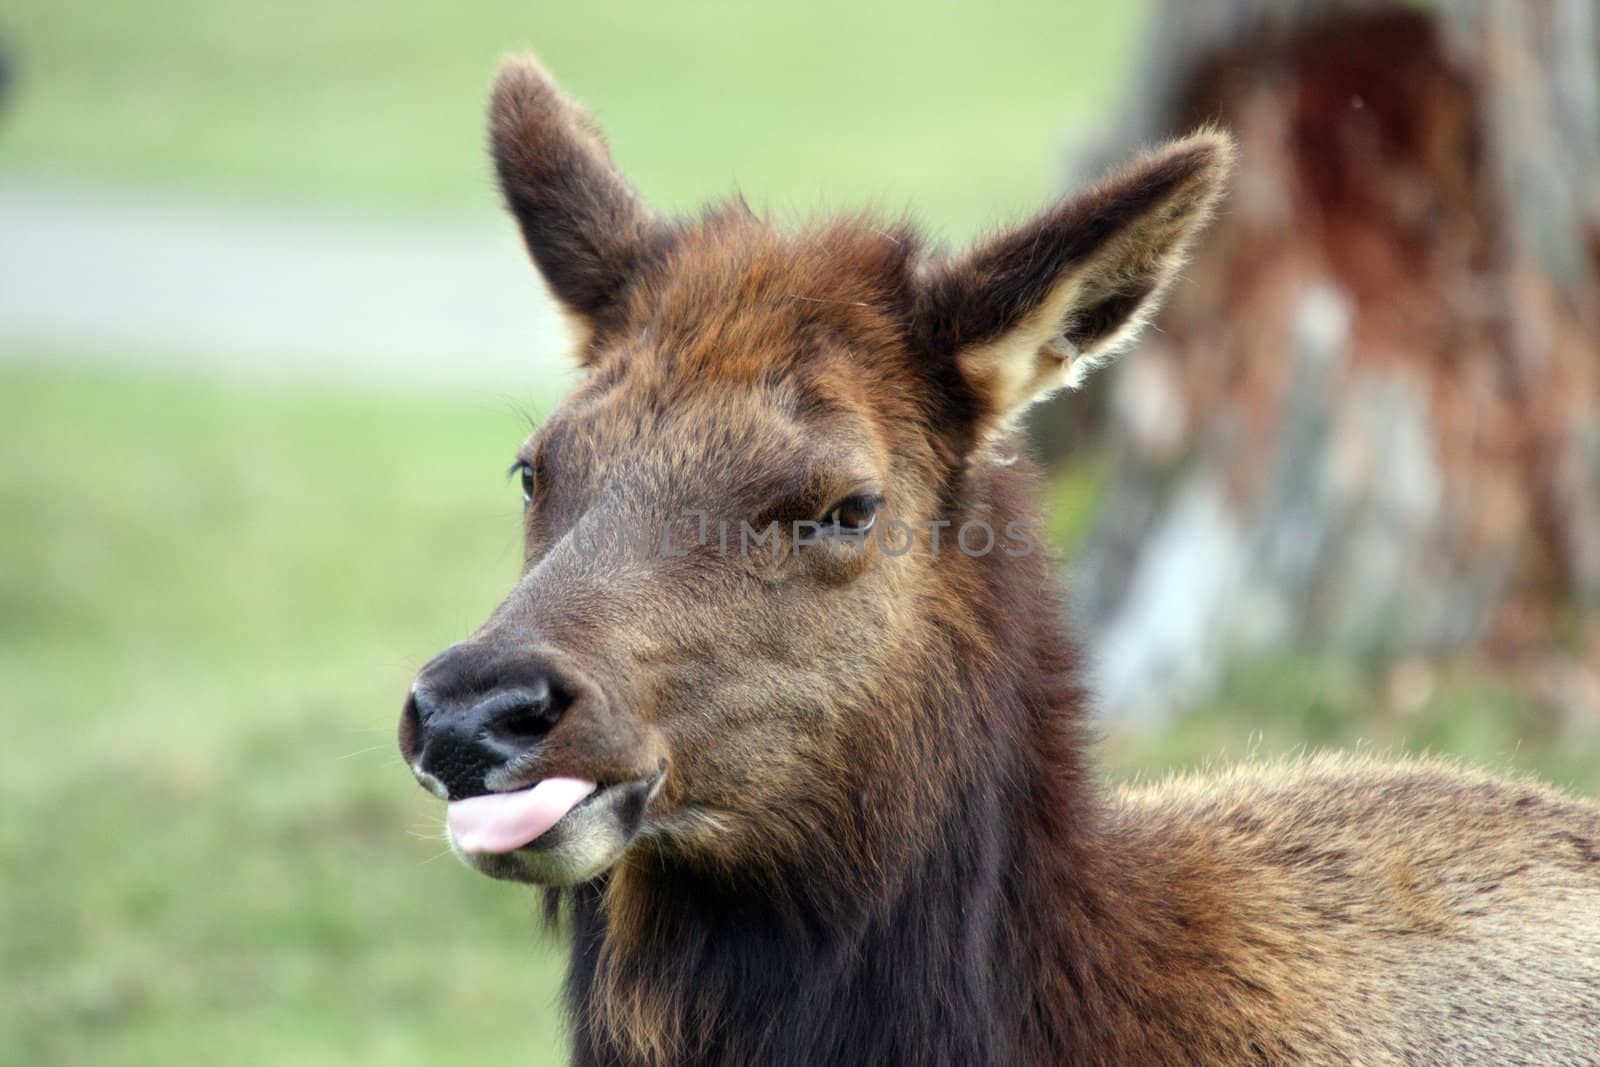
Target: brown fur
x,y
877,840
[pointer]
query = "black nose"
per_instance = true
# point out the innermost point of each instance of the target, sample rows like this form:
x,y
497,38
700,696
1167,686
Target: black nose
x,y
473,711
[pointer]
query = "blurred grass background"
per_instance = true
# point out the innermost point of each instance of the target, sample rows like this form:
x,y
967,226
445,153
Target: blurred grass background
x,y
958,109
214,594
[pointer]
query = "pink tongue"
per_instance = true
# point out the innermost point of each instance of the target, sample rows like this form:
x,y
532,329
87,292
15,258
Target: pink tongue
x,y
501,822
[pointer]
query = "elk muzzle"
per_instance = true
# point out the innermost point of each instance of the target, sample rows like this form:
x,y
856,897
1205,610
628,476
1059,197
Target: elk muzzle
x,y
544,781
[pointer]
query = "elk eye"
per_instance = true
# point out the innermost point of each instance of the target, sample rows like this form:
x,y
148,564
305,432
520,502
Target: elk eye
x,y
524,471
854,515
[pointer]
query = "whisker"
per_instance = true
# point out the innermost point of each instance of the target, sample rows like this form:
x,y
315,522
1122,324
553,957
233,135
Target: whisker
x,y
360,752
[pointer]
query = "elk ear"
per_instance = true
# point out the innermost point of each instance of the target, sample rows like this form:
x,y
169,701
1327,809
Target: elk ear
x,y
1036,308
588,231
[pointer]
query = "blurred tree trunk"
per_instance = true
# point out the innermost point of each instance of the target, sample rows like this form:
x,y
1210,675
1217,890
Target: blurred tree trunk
x,y
1370,419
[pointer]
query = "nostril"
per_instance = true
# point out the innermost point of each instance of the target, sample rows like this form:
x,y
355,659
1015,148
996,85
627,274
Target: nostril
x,y
523,727
411,730
521,717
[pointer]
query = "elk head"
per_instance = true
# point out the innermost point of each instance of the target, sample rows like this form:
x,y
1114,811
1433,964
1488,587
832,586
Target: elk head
x,y
749,620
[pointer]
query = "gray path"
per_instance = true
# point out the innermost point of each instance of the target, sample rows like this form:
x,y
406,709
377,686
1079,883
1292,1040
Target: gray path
x,y
91,273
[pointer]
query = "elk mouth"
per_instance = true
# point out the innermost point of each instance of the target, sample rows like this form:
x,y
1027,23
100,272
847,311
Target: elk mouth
x,y
559,831
505,822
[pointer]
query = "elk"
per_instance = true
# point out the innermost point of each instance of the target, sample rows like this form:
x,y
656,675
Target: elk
x,y
816,790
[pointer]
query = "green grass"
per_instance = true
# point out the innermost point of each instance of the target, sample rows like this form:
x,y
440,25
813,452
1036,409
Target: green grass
x,y
212,602
960,109
213,599
1290,705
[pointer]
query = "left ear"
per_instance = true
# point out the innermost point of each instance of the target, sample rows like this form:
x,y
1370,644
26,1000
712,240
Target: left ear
x,y
1035,309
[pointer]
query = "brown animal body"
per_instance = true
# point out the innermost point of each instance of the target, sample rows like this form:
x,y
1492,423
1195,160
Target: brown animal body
x,y
817,794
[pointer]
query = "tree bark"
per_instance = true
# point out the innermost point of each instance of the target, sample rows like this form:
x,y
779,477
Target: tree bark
x,y
1369,422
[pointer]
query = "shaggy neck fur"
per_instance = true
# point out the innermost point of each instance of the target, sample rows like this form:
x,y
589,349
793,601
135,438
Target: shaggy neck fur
x,y
993,944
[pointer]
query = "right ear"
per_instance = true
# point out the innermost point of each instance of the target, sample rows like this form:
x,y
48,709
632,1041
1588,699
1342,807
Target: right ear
x,y
588,231
1036,308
